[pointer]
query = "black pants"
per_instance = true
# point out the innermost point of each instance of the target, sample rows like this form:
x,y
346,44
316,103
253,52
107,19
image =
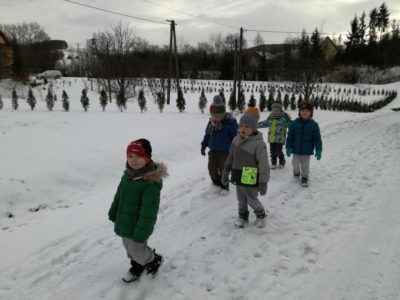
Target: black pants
x,y
216,162
275,152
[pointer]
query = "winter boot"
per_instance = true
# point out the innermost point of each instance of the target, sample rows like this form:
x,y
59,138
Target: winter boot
x,y
296,175
304,181
224,190
134,272
260,220
152,267
243,220
273,166
281,166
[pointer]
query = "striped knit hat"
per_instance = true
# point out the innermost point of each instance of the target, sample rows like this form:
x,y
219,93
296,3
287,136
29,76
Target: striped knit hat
x,y
217,108
250,118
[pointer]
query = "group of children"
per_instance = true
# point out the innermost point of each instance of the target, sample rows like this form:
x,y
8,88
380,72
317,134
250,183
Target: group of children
x,y
237,154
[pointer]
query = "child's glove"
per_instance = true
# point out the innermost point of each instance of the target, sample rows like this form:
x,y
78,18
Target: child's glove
x,y
318,155
225,177
262,187
203,150
288,152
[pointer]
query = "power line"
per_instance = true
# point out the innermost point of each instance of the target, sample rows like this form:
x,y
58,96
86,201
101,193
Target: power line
x,y
117,13
218,6
191,15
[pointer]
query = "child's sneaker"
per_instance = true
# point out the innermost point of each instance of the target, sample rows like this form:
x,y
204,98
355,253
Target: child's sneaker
x,y
281,166
304,181
152,267
273,166
134,272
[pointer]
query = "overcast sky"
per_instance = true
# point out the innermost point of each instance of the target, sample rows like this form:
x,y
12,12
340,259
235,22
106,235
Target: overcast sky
x,y
75,24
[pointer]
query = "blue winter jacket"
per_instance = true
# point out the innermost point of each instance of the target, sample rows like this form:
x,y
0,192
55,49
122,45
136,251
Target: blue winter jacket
x,y
221,140
304,137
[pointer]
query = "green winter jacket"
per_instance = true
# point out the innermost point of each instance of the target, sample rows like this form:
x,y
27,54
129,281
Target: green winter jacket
x,y
136,202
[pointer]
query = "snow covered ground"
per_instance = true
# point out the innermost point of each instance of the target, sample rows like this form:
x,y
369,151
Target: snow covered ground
x,y
338,239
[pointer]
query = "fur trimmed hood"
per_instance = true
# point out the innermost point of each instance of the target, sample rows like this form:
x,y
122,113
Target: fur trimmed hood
x,y
158,174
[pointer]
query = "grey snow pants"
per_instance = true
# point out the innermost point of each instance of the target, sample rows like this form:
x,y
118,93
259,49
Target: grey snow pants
x,y
138,252
248,196
303,162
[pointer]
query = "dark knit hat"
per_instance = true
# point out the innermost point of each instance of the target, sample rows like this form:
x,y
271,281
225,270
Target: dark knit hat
x,y
277,105
217,108
306,106
140,147
250,118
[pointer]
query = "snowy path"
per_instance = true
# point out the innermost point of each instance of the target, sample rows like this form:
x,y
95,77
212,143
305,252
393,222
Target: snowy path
x,y
339,239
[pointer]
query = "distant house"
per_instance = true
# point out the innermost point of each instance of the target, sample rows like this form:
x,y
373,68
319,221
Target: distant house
x,y
6,56
329,49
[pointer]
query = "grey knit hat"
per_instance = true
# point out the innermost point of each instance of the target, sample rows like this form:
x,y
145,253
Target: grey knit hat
x,y
250,118
277,105
217,108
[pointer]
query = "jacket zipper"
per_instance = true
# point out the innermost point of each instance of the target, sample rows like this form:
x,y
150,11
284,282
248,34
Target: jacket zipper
x,y
302,137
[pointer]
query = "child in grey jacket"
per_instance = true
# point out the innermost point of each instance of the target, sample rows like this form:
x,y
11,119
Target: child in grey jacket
x,y
248,166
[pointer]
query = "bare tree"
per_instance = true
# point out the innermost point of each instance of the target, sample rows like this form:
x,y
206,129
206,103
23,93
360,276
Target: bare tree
x,y
25,33
113,51
308,76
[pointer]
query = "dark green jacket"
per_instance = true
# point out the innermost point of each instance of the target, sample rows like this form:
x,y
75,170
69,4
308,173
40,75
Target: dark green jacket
x,y
135,206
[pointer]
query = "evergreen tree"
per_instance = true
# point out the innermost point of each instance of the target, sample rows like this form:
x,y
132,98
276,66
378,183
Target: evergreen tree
x,y
304,45
14,99
293,102
221,93
49,99
299,101
31,99
316,44
1,103
270,99
353,36
103,99
180,101
202,101
362,29
279,96
232,102
142,101
55,98
286,101
241,101
65,102
263,101
121,101
252,101
160,101
383,18
373,24
85,100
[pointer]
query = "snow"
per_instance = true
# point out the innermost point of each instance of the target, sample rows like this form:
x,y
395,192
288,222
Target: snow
x,y
337,239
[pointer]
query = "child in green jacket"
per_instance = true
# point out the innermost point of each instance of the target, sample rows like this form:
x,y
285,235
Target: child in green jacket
x,y
277,122
135,208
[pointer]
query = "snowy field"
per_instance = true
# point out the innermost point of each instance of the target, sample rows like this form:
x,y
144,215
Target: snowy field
x,y
337,240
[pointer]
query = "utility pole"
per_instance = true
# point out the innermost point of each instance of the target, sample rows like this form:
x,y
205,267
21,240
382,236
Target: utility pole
x,y
80,61
239,68
172,44
235,66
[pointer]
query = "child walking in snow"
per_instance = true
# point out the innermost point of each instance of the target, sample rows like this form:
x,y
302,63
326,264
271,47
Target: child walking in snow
x,y
277,122
248,165
304,136
220,131
135,207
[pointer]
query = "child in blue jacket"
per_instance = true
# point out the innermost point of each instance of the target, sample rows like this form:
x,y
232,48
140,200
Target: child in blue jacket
x,y
304,136
220,131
